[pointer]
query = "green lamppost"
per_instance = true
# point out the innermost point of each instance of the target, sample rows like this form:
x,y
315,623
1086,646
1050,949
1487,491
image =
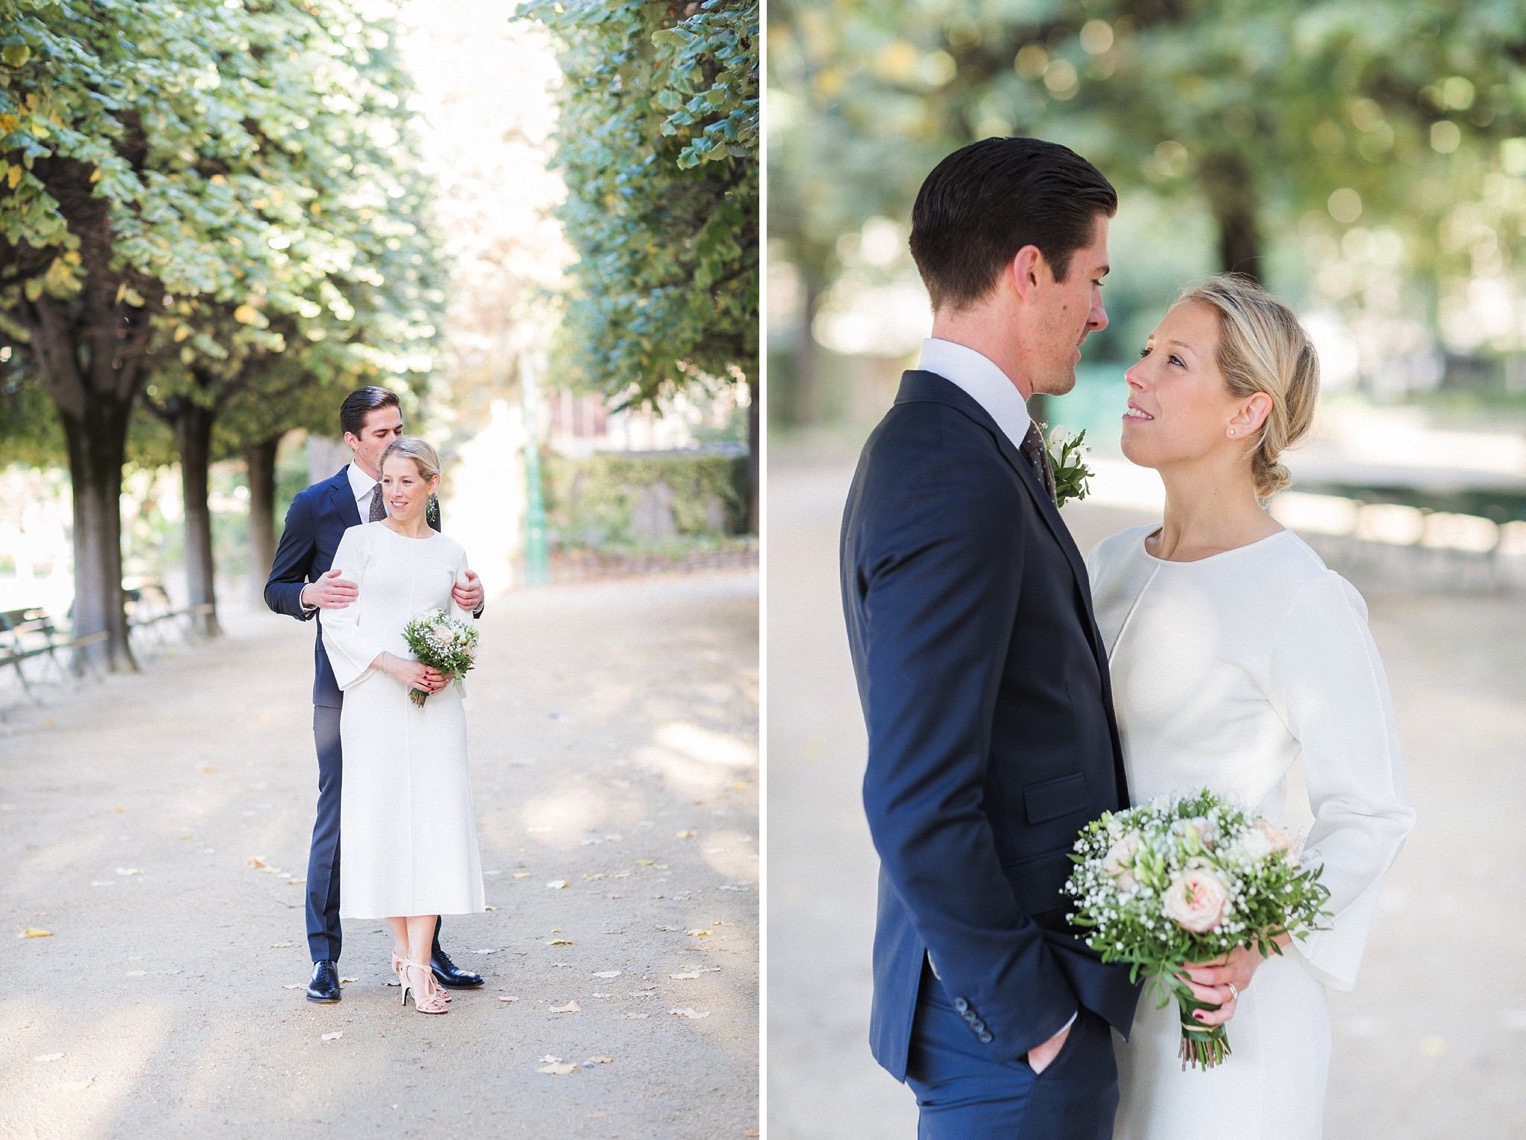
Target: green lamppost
x,y
535,508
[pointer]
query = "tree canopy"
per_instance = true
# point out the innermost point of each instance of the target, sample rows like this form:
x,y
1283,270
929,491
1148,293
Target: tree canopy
x,y
216,200
658,143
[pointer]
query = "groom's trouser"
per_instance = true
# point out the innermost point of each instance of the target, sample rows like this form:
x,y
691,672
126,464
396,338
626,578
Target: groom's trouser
x,y
324,934
963,1092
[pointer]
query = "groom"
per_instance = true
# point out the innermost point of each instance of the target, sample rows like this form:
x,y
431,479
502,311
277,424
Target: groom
x,y
300,585
981,674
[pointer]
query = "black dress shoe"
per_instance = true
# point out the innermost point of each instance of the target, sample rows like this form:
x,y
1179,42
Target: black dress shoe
x,y
448,974
325,984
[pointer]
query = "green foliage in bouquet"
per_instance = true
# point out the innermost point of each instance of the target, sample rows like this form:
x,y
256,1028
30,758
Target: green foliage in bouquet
x,y
444,643
1184,881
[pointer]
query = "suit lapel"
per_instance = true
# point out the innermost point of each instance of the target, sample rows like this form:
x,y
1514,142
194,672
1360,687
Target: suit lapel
x,y
341,500
918,385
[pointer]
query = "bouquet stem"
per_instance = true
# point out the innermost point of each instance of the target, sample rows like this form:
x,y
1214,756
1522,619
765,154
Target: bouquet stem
x,y
1203,1046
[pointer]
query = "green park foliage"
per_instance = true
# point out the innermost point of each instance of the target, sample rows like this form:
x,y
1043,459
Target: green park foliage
x,y
631,502
658,144
211,209
1283,137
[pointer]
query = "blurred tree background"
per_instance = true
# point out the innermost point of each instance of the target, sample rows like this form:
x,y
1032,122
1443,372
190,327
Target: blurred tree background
x,y
1368,160
219,216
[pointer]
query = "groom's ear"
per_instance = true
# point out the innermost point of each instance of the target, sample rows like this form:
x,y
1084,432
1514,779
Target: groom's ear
x,y
1026,269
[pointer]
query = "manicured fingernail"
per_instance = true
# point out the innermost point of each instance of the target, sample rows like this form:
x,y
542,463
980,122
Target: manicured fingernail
x,y
1199,1016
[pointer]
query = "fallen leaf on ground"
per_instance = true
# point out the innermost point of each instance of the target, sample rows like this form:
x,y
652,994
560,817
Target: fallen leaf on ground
x,y
570,1007
488,950
334,1036
521,874
207,768
557,1069
258,862
129,870
347,981
592,1061
294,987
49,1057
33,932
685,976
117,809
644,862
282,945
689,1013
607,974
502,998
560,942
557,885
687,833
699,934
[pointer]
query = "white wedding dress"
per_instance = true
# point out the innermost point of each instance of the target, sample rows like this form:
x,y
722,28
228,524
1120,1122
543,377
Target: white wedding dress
x,y
408,834
1251,672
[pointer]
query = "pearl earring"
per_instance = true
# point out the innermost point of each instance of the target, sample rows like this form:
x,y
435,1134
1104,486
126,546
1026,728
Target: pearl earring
x,y
1231,431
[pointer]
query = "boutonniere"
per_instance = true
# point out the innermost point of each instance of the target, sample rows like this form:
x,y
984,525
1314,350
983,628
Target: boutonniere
x,y
1070,470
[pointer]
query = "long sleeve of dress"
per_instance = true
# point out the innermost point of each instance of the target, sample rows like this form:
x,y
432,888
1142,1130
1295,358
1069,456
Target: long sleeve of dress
x,y
350,646
1329,687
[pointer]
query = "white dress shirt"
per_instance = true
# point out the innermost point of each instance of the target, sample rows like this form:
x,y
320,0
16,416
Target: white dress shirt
x,y
982,381
361,486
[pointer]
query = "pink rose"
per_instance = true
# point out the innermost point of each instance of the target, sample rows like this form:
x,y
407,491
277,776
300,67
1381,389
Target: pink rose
x,y
1197,899
1119,862
1278,839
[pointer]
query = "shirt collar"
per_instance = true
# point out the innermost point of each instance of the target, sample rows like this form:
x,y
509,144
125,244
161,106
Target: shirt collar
x,y
982,381
361,484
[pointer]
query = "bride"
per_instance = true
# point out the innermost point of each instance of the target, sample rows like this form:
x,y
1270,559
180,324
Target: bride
x,y
1237,658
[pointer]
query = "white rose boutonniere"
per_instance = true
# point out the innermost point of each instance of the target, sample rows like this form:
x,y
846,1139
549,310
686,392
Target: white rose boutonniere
x,y
1070,470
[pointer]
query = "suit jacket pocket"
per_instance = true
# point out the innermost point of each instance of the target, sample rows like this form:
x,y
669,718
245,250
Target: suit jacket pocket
x,y
1036,884
1052,799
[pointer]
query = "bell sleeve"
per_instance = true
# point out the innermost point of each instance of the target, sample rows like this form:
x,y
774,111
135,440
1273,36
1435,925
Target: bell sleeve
x,y
351,648
1329,687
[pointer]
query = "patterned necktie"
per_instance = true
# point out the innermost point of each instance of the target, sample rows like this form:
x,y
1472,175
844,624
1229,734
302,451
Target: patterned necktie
x,y
378,512
1038,459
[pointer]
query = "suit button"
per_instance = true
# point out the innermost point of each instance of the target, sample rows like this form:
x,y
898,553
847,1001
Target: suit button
x,y
977,1025
986,1039
961,1004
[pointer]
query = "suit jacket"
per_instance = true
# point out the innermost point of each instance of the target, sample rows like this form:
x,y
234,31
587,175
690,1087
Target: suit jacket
x,y
315,522
984,686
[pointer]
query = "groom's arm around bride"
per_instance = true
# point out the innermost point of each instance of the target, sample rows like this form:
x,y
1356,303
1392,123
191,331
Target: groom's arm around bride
x,y
982,679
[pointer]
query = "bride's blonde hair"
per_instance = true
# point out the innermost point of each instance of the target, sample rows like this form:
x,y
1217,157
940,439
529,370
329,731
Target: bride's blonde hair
x,y
1263,348
425,457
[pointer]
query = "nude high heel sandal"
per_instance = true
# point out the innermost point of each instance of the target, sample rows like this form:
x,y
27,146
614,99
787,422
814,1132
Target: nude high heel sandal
x,y
428,1002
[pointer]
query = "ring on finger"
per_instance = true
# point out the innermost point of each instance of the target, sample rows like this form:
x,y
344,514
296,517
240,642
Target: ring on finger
x,y
1234,991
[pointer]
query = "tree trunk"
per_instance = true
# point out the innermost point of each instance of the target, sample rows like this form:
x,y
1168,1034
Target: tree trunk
x,y
260,461
1231,191
805,407
97,447
193,439
754,415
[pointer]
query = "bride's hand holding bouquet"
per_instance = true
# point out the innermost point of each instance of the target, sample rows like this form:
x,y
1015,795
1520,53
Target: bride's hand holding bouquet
x,y
1192,890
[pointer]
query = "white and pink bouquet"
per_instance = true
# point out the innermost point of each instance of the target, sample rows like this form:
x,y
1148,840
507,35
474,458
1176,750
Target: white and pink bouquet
x,y
443,643
1187,880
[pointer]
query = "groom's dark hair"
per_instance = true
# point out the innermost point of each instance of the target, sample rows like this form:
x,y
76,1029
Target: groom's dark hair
x,y
988,200
361,403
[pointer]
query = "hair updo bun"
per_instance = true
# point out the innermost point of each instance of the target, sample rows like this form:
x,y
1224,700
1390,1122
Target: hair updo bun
x,y
1263,348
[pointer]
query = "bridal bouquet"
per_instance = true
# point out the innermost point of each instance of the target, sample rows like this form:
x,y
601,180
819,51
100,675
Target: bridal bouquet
x,y
443,643
1187,880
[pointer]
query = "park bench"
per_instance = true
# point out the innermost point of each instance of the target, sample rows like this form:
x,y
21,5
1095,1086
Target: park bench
x,y
1452,533
150,610
29,634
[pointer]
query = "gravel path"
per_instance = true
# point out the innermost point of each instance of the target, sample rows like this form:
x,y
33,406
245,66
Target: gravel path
x,y
157,826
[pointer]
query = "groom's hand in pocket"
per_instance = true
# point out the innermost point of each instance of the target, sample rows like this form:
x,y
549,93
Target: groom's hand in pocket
x,y
1040,1057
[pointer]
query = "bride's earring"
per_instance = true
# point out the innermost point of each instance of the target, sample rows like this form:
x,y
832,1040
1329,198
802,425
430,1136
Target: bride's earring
x,y
1231,431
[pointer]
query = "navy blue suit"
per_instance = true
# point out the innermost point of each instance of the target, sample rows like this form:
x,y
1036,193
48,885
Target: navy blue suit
x,y
315,523
991,742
